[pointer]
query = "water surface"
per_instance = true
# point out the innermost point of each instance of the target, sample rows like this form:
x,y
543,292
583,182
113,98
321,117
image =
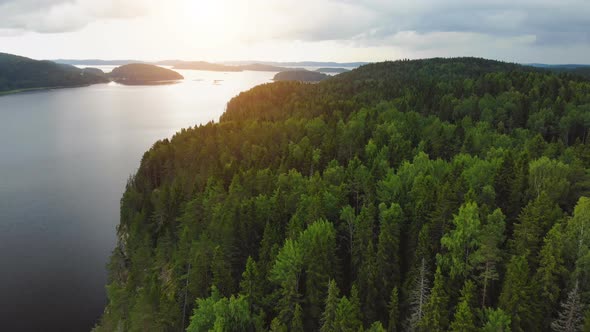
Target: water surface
x,y
65,156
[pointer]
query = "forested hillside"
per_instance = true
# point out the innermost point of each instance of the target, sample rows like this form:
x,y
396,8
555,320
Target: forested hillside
x,y
428,195
20,73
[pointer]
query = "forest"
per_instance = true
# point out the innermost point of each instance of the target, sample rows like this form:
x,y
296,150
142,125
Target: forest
x,y
20,73
422,195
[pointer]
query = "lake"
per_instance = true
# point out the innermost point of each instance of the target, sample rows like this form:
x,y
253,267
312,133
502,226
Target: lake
x,y
65,156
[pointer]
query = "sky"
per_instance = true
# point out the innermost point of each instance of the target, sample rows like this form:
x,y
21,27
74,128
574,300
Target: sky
x,y
524,31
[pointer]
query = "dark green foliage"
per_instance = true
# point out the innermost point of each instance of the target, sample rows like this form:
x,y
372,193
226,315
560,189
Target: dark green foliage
x,y
325,206
300,75
141,73
393,318
19,73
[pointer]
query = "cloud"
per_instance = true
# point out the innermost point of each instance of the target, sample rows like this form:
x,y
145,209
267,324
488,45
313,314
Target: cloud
x,y
55,16
507,29
375,21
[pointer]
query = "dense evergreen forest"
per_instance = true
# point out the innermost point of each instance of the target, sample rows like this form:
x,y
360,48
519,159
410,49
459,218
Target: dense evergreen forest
x,y
20,73
426,195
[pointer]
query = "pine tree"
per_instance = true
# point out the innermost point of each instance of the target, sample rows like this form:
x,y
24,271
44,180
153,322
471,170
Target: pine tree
x,y
464,320
534,222
436,310
550,273
250,284
496,321
221,269
388,249
515,297
489,254
570,318
393,319
332,300
297,321
347,315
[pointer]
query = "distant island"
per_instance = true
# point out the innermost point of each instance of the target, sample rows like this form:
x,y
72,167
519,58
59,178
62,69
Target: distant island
x,y
208,66
141,74
173,63
202,65
23,74
332,70
301,76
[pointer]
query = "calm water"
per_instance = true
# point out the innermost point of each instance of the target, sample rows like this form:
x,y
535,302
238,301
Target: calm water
x,y
65,156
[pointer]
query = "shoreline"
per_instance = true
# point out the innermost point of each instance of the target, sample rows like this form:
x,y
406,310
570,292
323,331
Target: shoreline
x,y
17,91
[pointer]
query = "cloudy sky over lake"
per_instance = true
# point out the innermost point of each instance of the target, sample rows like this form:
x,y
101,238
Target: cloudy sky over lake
x,y
525,31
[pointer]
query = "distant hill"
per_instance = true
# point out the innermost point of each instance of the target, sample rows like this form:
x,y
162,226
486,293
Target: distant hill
x,y
300,75
573,69
141,73
20,73
208,66
302,63
202,65
265,67
97,62
332,70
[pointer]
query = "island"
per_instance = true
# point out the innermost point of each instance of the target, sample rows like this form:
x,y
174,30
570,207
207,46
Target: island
x,y
208,66
332,70
144,74
24,74
301,76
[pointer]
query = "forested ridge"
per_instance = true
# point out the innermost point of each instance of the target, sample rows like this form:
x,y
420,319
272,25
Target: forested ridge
x,y
20,73
425,195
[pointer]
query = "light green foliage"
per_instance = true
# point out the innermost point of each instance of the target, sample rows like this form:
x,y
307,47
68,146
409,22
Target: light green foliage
x,y
462,242
220,314
549,176
496,321
331,306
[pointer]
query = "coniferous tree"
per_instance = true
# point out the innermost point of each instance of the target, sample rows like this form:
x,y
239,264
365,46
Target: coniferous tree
x,y
489,254
496,321
436,310
331,305
297,321
464,319
550,273
388,260
394,317
570,316
515,299
533,222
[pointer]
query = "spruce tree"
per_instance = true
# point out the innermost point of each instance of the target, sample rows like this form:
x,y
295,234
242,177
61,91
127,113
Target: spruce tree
x,y
436,311
464,320
297,321
331,305
393,318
